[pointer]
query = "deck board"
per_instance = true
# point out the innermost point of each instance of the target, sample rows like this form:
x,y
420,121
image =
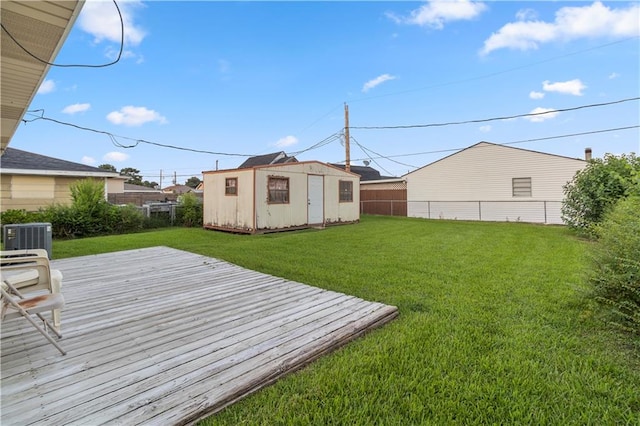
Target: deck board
x,y
163,336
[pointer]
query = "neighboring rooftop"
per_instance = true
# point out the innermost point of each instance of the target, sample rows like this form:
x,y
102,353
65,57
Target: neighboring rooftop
x,y
22,160
366,173
267,159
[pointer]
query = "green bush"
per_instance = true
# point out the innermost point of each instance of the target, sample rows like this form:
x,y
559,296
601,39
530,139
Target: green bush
x,y
616,256
189,212
19,216
595,189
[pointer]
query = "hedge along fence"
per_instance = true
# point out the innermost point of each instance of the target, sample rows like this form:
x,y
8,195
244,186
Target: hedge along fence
x,y
91,215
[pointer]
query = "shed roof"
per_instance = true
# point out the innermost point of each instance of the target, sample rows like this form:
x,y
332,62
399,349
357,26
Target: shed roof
x,y
17,160
267,159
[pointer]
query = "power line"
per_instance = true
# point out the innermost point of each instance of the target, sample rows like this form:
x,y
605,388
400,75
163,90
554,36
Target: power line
x,y
484,120
440,151
317,145
380,155
371,158
113,137
450,83
74,65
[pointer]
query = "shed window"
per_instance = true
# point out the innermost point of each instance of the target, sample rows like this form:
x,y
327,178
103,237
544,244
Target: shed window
x,y
346,191
231,186
521,187
278,190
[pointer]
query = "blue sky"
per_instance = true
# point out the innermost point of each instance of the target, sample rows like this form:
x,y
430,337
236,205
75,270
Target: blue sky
x,y
257,77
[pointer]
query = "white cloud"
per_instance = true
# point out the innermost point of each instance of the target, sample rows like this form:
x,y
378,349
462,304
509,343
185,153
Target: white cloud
x,y
47,86
550,113
571,87
75,108
101,19
135,116
436,13
595,20
115,157
377,81
536,95
286,141
613,75
526,15
485,129
89,161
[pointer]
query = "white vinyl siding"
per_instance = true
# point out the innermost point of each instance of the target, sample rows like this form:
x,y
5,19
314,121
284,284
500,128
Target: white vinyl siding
x,y
485,173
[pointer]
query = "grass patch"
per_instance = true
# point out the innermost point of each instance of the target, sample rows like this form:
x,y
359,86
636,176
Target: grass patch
x,y
494,326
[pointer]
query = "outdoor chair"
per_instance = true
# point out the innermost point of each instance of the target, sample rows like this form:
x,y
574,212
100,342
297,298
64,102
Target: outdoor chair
x,y
29,271
16,305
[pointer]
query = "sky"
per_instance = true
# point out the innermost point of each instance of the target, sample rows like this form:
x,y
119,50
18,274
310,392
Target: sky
x,y
221,81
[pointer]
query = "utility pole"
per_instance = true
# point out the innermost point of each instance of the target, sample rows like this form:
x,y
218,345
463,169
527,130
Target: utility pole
x,y
347,149
160,178
175,178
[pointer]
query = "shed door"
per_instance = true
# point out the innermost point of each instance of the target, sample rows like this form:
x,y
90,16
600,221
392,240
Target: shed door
x,y
315,201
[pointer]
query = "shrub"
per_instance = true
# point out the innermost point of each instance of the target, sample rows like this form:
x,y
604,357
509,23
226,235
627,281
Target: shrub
x,y
595,189
616,256
189,210
18,216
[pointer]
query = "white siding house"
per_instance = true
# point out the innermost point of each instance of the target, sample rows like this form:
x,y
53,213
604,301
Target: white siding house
x,y
279,197
492,182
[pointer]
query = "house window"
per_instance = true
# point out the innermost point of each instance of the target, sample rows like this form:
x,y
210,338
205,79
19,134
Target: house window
x,y
231,186
278,190
521,187
346,191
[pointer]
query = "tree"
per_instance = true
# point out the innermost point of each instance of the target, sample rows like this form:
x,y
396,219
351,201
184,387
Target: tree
x,y
151,184
594,190
109,167
134,175
193,182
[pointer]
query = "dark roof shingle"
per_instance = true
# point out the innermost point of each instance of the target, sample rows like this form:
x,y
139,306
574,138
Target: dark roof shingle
x,y
267,159
18,159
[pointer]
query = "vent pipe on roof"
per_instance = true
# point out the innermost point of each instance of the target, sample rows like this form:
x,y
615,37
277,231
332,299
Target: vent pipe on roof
x,y
587,154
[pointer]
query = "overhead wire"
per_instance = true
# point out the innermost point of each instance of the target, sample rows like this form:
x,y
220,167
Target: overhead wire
x,y
450,83
362,147
440,151
484,120
113,137
74,65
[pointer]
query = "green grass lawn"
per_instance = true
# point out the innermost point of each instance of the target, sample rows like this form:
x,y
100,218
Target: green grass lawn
x,y
495,324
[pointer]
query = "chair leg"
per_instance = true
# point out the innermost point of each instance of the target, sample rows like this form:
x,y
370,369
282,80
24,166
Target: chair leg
x,y
44,333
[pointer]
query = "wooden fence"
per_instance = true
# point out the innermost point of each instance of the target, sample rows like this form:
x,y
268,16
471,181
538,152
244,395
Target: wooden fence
x,y
388,202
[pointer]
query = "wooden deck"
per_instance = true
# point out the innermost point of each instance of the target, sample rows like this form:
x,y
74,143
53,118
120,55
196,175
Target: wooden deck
x,y
161,336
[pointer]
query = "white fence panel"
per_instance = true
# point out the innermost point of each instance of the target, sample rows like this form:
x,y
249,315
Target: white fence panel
x,y
494,211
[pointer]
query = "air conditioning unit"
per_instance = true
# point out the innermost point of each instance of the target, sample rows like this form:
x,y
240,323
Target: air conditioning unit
x,y
27,236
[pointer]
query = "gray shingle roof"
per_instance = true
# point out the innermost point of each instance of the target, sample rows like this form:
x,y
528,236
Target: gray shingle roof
x,y
18,159
366,173
266,159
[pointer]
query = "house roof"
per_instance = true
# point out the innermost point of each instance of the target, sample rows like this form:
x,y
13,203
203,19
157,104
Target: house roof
x,y
491,144
178,189
267,159
139,188
366,173
41,27
16,161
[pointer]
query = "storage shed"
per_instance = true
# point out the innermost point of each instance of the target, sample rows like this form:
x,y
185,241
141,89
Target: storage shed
x,y
492,182
277,197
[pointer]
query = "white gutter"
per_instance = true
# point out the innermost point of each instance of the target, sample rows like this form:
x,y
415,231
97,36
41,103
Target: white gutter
x,y
60,173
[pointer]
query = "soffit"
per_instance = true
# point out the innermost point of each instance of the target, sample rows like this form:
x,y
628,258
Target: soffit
x,y
41,27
